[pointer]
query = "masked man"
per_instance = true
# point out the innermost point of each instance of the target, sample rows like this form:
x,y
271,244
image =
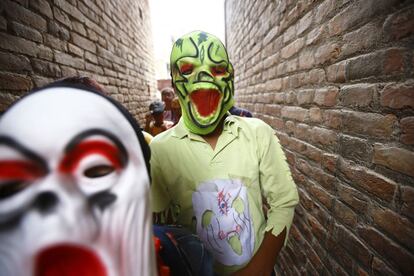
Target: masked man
x,y
211,171
74,187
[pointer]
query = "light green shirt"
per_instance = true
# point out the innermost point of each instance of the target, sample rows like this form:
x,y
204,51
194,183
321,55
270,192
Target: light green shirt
x,y
218,193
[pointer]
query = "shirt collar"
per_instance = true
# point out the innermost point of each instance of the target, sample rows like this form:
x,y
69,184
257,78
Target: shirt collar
x,y
231,125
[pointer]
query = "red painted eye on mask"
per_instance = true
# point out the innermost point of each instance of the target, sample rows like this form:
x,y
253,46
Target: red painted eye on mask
x,y
218,70
84,149
186,68
16,175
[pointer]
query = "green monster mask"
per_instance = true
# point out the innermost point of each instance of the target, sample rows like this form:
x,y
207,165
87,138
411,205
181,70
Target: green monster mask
x,y
202,76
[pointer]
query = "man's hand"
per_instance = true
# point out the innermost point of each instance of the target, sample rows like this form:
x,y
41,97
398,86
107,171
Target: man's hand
x,y
264,260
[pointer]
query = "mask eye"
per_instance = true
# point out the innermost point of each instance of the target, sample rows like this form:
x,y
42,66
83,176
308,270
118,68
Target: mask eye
x,y
11,188
186,69
218,70
98,171
16,175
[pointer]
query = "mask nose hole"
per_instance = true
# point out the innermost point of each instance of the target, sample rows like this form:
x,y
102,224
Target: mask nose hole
x,y
46,202
204,76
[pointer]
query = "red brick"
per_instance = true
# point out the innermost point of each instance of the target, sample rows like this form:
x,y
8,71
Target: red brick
x,y
397,159
290,97
75,50
392,252
23,31
357,95
380,268
407,198
69,9
364,66
11,81
306,149
290,127
329,161
3,23
400,24
306,59
355,149
340,255
326,96
327,52
14,63
83,43
93,68
321,195
398,96
316,35
45,68
333,118
323,136
302,131
62,17
370,124
295,113
316,76
407,129
345,214
396,226
354,198
325,10
336,72
393,61
304,23
58,30
315,114
55,43
353,245
69,60
357,13
41,6
91,57
305,96
20,14
334,268
317,229
79,28
361,272
17,44
41,81
279,98
361,39
370,181
289,34
68,71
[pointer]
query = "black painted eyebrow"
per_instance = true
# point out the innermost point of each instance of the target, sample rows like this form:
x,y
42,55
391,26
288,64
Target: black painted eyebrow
x,y
96,131
10,142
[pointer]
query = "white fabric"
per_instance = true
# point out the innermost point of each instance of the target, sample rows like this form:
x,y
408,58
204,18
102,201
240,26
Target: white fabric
x,y
222,212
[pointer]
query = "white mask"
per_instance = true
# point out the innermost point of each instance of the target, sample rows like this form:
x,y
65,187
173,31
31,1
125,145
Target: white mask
x,y
74,188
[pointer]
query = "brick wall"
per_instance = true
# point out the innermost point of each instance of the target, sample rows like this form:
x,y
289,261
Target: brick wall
x,y
335,79
108,40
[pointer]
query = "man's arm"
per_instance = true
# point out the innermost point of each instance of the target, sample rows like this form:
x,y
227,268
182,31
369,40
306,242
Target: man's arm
x,y
264,260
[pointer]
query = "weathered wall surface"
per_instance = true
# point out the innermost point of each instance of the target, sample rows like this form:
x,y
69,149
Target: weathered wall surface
x,y
108,40
335,80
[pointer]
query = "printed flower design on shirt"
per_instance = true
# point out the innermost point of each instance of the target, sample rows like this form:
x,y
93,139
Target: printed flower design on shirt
x,y
223,220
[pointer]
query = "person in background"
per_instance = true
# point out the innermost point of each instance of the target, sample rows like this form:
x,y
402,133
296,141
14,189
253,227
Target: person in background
x,y
155,123
176,110
226,165
167,95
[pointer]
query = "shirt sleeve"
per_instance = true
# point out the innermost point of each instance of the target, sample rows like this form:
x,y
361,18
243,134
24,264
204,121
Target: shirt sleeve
x,y
277,183
160,198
